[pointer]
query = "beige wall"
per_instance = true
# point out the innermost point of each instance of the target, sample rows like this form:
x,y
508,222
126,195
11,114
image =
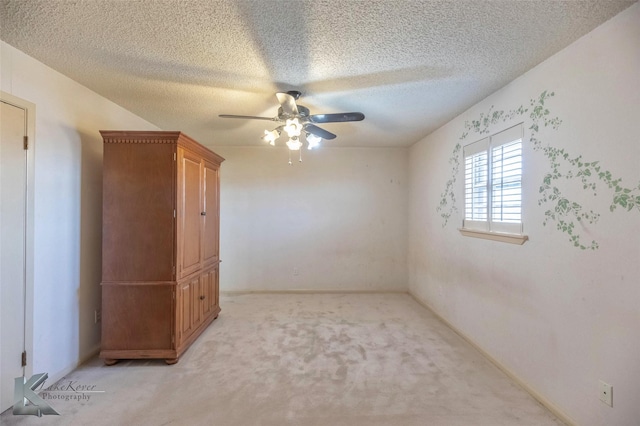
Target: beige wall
x,y
336,221
559,317
68,207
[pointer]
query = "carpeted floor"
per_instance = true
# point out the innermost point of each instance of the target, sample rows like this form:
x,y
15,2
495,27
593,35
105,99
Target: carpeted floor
x,y
305,359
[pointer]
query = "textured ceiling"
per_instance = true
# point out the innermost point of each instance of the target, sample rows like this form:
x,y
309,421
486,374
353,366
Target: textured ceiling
x,y
409,66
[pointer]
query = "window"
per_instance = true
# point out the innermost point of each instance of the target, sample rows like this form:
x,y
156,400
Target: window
x,y
493,183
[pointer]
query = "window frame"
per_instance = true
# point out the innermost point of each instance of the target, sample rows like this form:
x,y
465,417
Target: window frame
x,y
479,203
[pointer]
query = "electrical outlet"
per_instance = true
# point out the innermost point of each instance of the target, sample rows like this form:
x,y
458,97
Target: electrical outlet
x,y
606,393
97,316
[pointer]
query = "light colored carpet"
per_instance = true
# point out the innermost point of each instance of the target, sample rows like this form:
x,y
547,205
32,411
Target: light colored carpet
x,y
306,359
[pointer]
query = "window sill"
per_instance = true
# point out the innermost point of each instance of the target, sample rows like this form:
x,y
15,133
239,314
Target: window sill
x,y
494,236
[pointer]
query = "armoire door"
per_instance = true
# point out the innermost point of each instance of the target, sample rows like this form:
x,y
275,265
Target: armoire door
x,y
197,297
210,291
188,304
189,213
210,217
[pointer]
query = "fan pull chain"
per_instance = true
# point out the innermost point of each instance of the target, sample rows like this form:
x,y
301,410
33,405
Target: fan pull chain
x,y
300,151
289,156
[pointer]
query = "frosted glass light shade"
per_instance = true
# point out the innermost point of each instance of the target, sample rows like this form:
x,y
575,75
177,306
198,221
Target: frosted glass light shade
x,y
313,141
294,144
293,127
271,136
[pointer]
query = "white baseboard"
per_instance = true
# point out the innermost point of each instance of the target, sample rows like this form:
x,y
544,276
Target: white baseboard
x,y
61,374
306,291
513,376
95,350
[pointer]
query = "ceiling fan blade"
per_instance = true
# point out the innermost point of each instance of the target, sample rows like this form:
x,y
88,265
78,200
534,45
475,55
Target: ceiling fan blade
x,y
288,103
337,118
250,117
315,130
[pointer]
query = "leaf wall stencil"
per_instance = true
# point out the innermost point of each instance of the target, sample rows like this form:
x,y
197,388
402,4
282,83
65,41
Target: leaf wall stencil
x,y
561,211
447,204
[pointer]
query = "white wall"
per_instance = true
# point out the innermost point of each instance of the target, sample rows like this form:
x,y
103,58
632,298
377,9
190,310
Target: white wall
x,y
338,218
68,207
559,317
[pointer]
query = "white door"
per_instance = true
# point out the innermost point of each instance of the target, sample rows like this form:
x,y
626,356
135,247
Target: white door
x,y
13,202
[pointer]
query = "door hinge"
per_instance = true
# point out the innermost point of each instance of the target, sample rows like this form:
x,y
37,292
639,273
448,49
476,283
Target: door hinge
x,y
24,359
26,142
174,156
174,213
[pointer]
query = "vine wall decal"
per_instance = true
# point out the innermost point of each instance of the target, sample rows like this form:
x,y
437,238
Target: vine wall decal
x,y
561,210
448,198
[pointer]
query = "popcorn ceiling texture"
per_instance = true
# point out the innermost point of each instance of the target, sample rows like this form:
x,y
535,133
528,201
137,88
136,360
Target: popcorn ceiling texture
x,y
409,66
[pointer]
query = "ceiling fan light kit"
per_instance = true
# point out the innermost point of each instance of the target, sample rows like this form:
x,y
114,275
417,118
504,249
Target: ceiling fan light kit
x,y
271,136
296,120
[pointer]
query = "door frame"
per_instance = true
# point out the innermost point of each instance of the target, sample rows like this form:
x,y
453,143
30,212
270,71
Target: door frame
x,y
30,111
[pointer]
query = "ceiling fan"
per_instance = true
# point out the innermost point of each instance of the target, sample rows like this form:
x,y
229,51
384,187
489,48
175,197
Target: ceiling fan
x,y
296,119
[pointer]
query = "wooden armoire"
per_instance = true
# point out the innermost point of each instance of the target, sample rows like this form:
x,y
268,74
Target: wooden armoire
x,y
160,244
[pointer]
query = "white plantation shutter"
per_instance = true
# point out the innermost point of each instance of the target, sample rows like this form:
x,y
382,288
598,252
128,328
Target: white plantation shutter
x,y
476,178
493,182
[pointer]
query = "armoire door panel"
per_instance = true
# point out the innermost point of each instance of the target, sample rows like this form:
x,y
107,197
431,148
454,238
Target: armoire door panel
x,y
196,296
215,289
211,200
189,214
187,306
210,291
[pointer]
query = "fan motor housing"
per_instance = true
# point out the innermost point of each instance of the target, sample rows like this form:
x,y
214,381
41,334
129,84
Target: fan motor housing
x,y
296,94
303,111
